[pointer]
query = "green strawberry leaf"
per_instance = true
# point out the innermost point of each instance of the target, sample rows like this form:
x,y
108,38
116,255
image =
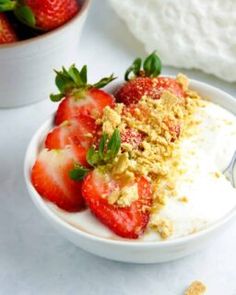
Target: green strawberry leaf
x,y
78,172
25,15
152,65
83,74
7,5
107,150
134,69
74,80
104,81
56,97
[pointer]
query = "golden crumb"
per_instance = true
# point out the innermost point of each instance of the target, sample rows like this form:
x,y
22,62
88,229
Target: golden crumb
x,y
183,199
111,119
163,226
196,288
183,81
217,174
124,197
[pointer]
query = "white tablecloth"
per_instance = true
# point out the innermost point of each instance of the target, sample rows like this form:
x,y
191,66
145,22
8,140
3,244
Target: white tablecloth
x,y
34,259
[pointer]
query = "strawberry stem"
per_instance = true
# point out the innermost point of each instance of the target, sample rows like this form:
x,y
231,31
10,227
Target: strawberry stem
x,y
74,80
7,5
151,67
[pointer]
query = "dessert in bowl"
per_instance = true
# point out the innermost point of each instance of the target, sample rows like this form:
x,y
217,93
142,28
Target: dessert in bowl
x,y
138,179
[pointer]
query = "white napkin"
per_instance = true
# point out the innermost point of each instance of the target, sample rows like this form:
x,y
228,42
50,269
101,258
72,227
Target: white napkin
x,y
186,33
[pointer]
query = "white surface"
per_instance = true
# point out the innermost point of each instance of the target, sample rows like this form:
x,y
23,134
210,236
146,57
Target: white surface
x,y
189,33
34,259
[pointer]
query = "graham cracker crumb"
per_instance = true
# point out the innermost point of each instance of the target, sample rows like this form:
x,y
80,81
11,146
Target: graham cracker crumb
x,y
184,199
196,288
163,226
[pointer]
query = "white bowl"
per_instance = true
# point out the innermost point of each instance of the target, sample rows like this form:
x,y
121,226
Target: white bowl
x,y
26,73
130,250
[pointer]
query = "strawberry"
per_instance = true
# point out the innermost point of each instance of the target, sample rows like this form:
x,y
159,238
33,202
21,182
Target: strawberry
x,y
145,82
91,103
128,222
78,133
42,14
132,137
50,177
80,97
7,34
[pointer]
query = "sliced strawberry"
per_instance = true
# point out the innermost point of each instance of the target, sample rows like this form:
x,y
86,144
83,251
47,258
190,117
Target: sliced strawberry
x,y
50,177
78,133
132,137
92,103
7,34
128,222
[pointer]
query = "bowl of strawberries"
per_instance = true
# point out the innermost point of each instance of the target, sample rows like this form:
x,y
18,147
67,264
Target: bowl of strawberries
x,y
98,168
36,36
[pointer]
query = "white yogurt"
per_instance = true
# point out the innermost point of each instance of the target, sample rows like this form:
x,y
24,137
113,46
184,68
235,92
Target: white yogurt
x,y
210,197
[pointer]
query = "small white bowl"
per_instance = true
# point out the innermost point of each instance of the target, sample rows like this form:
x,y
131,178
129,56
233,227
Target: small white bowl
x,y
130,250
26,73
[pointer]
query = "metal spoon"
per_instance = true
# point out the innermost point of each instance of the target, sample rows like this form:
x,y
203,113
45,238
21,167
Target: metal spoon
x,y
229,170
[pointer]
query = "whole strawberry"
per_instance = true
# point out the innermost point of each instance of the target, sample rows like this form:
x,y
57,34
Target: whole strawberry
x,y
145,81
7,34
42,14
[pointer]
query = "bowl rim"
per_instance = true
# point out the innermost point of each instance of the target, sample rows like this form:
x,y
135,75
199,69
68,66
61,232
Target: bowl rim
x,y
41,205
84,7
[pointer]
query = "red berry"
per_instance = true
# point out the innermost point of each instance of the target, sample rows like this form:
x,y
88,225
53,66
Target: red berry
x,y
7,34
128,222
50,177
79,134
132,137
93,103
132,91
50,14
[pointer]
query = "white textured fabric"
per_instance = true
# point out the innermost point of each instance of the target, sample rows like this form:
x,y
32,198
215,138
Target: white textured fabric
x,y
186,33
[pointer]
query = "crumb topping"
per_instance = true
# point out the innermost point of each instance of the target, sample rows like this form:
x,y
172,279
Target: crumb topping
x,y
196,288
161,124
163,226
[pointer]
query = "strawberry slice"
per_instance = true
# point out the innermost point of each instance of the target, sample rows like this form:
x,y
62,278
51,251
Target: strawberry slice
x,y
145,82
7,34
78,133
132,137
128,222
50,177
92,103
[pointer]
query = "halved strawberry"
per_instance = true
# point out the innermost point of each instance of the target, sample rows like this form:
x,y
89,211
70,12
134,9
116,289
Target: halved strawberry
x,y
91,102
79,134
7,34
79,96
145,82
132,137
50,177
128,222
